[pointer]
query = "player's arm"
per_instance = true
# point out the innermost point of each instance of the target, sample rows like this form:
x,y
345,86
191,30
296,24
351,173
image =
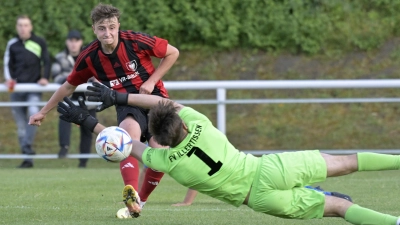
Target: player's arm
x,y
80,116
156,47
80,74
65,89
166,63
148,101
101,93
189,198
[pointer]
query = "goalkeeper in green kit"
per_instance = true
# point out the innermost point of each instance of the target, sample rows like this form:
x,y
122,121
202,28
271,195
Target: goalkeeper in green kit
x,y
200,157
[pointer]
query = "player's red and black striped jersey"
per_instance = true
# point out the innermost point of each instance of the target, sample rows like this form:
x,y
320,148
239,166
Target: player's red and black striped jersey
x,y
124,70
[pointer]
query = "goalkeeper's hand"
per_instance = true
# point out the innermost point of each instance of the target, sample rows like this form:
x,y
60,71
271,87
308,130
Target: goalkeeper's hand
x,y
109,97
76,114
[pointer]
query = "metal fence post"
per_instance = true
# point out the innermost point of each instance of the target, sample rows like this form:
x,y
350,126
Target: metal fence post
x,y
221,109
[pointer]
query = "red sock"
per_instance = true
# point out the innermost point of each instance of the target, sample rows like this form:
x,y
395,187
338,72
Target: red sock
x,y
150,182
130,171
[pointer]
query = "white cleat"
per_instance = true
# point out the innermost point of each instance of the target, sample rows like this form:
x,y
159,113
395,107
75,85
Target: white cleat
x,y
123,213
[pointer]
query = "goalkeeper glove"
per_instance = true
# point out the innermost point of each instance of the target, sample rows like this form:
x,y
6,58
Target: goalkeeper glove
x,y
109,97
76,114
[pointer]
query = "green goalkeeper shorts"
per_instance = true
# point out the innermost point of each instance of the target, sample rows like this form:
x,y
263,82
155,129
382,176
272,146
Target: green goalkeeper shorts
x,y
278,187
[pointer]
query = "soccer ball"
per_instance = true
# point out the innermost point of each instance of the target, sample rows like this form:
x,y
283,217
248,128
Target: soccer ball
x,y
113,144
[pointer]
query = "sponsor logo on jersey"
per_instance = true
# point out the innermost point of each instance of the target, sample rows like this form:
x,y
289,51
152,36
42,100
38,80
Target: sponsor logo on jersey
x,y
119,81
114,82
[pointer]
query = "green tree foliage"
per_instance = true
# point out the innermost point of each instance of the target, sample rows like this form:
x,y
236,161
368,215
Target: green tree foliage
x,y
299,26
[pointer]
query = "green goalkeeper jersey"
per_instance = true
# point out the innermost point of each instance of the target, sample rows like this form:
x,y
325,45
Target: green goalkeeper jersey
x,y
206,161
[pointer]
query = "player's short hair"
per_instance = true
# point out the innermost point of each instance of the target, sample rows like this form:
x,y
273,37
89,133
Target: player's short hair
x,y
22,16
165,124
103,11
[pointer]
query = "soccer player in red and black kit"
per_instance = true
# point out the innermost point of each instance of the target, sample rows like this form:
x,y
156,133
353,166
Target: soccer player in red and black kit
x,y
121,60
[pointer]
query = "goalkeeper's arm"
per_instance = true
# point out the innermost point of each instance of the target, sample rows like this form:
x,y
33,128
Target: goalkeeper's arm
x,y
80,116
109,97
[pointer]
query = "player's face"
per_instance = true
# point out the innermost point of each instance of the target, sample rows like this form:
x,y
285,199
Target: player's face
x,y
24,28
107,31
74,45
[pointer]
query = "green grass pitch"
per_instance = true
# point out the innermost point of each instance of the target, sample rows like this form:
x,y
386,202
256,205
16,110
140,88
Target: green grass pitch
x,y
57,192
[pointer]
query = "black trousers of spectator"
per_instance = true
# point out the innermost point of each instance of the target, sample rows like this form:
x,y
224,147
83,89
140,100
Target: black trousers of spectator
x,y
64,135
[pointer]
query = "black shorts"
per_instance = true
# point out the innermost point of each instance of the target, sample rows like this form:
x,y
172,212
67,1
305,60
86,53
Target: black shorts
x,y
139,114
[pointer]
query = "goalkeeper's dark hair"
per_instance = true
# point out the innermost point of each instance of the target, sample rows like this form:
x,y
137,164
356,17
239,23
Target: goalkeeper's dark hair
x,y
103,11
165,124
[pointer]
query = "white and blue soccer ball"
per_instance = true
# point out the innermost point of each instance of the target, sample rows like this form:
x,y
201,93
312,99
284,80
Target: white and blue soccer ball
x,y
113,144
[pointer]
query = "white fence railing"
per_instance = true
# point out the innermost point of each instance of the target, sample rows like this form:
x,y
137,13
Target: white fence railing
x,y
221,98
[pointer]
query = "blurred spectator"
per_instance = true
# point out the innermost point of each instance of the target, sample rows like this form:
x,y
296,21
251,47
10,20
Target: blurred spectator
x,y
61,68
23,59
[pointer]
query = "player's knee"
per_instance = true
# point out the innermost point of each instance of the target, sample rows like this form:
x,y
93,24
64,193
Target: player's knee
x,y
335,207
132,127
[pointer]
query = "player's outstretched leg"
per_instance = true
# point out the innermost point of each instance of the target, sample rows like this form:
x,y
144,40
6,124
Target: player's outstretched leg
x,y
131,200
356,214
151,180
130,166
363,161
130,171
341,165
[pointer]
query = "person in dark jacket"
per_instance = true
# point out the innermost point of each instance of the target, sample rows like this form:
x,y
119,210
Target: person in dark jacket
x,y
24,58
